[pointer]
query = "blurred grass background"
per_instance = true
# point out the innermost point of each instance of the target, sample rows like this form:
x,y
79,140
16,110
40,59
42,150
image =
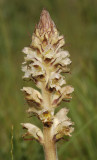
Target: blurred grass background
x,y
77,21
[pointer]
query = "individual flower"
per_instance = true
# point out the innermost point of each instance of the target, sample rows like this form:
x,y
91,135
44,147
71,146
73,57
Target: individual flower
x,y
56,81
33,97
63,94
62,125
33,131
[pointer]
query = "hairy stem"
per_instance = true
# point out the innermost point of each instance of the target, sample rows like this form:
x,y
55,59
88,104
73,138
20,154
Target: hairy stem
x,y
46,97
49,145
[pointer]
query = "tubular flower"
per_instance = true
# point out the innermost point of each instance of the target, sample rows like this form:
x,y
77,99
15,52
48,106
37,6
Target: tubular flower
x,y
62,124
44,61
34,131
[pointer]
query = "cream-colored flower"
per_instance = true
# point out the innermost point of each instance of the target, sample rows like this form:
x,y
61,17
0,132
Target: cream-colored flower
x,y
66,92
33,130
61,58
63,94
46,116
62,125
33,70
33,97
31,55
56,81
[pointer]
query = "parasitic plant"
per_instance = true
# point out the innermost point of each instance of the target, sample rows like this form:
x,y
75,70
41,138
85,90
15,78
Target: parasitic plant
x,y
44,63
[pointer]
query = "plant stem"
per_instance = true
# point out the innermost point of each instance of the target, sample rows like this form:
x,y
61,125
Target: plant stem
x,y
49,145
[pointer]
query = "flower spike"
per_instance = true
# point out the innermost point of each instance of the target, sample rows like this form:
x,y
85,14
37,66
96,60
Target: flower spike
x,y
44,62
